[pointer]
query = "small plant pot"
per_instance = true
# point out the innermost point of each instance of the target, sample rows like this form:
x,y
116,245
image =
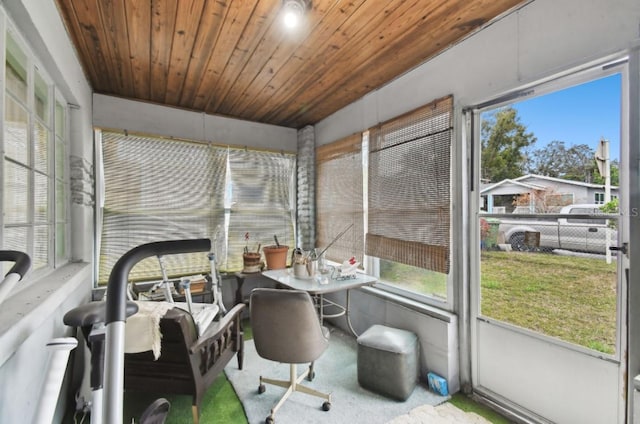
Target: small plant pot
x,y
252,262
276,256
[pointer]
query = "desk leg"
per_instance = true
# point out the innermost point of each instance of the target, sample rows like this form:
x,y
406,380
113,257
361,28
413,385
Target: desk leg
x,y
349,315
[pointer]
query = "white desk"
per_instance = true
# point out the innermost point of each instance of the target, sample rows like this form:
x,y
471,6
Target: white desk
x,y
315,287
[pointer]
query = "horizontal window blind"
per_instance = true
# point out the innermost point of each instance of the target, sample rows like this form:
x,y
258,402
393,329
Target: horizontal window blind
x,y
261,202
339,201
159,189
409,187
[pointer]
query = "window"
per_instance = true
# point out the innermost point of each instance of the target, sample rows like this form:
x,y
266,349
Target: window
x,y
398,195
34,203
166,189
339,199
599,199
409,195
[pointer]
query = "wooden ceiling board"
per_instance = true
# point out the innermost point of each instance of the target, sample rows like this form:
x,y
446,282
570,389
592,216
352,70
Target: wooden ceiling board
x,y
114,21
233,26
184,38
235,58
278,73
256,45
362,39
139,31
376,58
208,32
163,20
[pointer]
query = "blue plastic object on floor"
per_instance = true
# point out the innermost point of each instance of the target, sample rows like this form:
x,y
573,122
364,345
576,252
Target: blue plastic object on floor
x,y
437,384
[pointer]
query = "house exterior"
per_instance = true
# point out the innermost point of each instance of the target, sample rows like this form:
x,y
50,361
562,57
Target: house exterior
x,y
545,194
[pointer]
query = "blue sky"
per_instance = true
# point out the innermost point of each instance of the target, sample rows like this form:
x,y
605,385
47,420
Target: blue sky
x,y
577,115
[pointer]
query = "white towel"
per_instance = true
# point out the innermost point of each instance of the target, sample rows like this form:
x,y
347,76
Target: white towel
x,y
142,330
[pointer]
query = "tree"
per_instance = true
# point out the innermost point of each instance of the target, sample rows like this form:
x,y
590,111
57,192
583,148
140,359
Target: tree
x,y
504,142
614,172
574,163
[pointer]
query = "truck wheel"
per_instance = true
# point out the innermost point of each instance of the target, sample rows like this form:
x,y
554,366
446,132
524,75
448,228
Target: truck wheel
x,y
517,242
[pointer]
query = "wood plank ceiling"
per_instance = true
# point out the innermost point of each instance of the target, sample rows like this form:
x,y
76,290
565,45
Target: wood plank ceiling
x,y
235,58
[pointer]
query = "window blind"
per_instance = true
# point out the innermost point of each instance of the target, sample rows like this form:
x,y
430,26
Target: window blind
x,y
409,187
261,202
339,201
159,189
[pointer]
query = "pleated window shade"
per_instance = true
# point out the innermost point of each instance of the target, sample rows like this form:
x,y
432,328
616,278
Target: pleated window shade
x,y
262,202
339,201
409,187
158,189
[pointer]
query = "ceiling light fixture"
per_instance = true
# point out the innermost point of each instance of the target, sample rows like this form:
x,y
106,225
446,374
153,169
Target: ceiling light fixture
x,y
293,11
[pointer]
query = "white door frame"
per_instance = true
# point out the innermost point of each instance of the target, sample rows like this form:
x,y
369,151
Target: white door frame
x,y
519,349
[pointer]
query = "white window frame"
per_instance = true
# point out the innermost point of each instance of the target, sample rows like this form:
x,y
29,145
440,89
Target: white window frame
x,y
53,95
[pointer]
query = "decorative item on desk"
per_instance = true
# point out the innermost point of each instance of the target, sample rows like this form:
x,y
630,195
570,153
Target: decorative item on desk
x,y
305,265
348,268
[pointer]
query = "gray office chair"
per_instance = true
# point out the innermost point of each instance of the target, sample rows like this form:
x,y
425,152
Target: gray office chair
x,y
286,329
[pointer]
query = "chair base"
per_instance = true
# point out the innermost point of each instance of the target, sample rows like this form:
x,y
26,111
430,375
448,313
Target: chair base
x,y
293,385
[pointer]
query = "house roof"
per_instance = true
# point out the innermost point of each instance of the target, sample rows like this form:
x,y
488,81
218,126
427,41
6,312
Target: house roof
x,y
560,180
516,182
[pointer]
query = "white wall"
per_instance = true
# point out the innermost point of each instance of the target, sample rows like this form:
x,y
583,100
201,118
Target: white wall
x,y
147,118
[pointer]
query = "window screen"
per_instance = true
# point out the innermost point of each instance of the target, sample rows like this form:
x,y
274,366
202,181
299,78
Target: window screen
x,y
409,187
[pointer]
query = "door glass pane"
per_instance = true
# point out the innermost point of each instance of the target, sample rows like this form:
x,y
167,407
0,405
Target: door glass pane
x,y
16,124
545,262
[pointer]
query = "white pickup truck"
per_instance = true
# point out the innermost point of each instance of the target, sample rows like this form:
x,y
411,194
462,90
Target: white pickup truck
x,y
587,233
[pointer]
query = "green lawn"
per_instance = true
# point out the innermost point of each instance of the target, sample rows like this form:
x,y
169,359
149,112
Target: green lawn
x,y
568,297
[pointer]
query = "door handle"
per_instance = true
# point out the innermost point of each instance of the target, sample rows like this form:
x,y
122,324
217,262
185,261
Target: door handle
x,y
622,248
593,230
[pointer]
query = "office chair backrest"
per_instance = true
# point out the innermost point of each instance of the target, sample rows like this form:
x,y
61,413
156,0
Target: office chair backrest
x,y
285,326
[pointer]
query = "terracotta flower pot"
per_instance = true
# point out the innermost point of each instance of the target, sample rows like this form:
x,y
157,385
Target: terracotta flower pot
x,y
276,256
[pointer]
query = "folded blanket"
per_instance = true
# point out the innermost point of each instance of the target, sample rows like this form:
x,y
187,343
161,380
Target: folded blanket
x,y
142,330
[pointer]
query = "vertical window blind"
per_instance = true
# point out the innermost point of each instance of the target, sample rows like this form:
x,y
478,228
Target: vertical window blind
x,y
159,189
339,201
409,187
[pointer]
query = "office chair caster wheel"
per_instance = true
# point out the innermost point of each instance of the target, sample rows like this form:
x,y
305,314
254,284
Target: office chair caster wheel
x,y
311,376
269,420
326,406
261,389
